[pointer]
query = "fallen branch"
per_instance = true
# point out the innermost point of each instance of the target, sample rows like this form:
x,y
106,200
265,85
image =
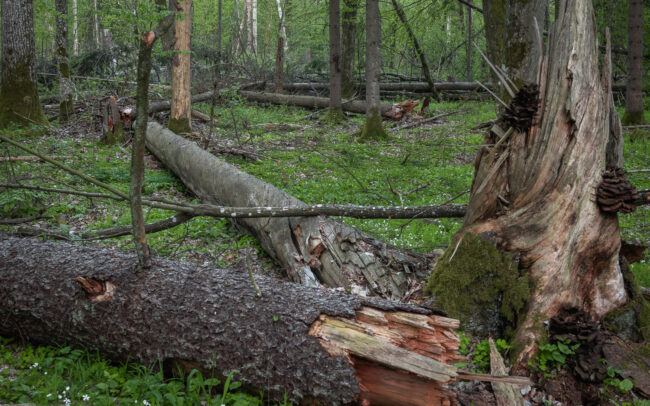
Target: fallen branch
x,y
30,158
427,120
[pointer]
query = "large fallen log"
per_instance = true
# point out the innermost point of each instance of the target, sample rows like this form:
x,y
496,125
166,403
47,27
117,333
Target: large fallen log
x,y
313,250
311,344
312,102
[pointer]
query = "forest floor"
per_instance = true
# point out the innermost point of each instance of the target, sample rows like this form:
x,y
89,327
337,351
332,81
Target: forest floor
x,y
291,148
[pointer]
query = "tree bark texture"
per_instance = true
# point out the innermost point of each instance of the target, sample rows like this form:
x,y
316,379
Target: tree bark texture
x,y
354,106
65,84
349,34
372,127
534,196
335,54
634,94
418,49
310,344
18,95
180,118
278,75
313,250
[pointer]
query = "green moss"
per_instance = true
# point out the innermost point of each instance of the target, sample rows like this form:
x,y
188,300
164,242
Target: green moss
x,y
373,128
633,118
179,126
480,285
632,320
333,116
19,102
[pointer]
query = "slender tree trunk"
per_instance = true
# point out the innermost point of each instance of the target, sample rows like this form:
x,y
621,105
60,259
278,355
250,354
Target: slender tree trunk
x,y
278,77
494,15
349,31
283,27
97,35
372,128
534,241
468,51
254,26
418,49
335,112
75,28
180,118
634,94
18,96
65,84
219,31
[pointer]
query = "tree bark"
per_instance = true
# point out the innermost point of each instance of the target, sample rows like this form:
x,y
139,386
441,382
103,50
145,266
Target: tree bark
x,y
18,95
372,127
354,106
634,96
468,49
65,84
349,34
278,76
335,59
314,345
313,250
179,119
75,28
533,199
418,50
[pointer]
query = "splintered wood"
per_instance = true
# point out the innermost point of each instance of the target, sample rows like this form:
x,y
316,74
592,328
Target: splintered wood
x,y
399,358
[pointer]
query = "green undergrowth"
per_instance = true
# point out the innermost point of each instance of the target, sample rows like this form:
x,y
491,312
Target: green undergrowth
x,y
47,375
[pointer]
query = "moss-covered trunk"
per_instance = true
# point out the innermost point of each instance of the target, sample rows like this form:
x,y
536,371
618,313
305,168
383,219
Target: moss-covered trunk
x,y
19,102
349,33
372,128
534,198
65,84
634,94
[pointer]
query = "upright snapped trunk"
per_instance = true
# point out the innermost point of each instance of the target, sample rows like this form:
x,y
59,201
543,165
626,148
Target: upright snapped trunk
x,y
634,95
335,59
65,84
278,76
19,102
349,33
372,128
180,117
533,236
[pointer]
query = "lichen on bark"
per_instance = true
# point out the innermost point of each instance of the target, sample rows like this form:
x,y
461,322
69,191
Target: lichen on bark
x,y
480,285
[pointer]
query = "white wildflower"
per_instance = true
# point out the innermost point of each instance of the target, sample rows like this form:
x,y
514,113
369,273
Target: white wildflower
x,y
35,364
67,401
45,373
145,403
85,397
48,395
67,388
60,397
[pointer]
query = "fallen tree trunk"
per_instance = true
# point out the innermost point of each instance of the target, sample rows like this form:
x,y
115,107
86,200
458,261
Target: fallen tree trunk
x,y
404,86
310,344
354,106
313,250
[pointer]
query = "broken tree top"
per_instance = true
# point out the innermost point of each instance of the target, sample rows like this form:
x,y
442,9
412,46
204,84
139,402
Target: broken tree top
x,y
307,343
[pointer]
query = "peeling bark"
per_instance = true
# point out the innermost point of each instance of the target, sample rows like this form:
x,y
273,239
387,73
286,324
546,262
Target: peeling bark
x,y
313,250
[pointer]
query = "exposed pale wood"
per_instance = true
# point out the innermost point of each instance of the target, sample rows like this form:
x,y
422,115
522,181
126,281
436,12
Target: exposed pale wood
x,y
517,380
507,394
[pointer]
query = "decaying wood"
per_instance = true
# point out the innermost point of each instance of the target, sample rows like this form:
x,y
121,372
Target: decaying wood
x,y
506,394
547,176
307,343
314,250
397,86
30,158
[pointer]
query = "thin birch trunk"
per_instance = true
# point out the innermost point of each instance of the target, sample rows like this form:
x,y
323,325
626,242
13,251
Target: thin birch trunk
x,y
75,28
65,84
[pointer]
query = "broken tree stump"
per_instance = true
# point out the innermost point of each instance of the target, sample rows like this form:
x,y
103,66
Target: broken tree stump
x,y
310,344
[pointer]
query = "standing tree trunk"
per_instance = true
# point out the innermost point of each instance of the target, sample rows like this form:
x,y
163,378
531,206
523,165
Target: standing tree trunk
x,y
372,128
219,32
634,95
65,84
534,240
18,96
335,113
418,49
468,50
278,78
253,27
349,31
180,117
75,28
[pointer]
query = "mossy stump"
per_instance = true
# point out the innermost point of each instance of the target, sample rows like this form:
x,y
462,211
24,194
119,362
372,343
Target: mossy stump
x,y
179,125
333,116
633,118
372,128
479,285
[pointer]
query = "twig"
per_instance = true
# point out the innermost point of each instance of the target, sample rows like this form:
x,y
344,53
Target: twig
x,y
56,190
9,222
456,249
497,72
456,197
428,120
632,127
493,94
30,158
638,171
